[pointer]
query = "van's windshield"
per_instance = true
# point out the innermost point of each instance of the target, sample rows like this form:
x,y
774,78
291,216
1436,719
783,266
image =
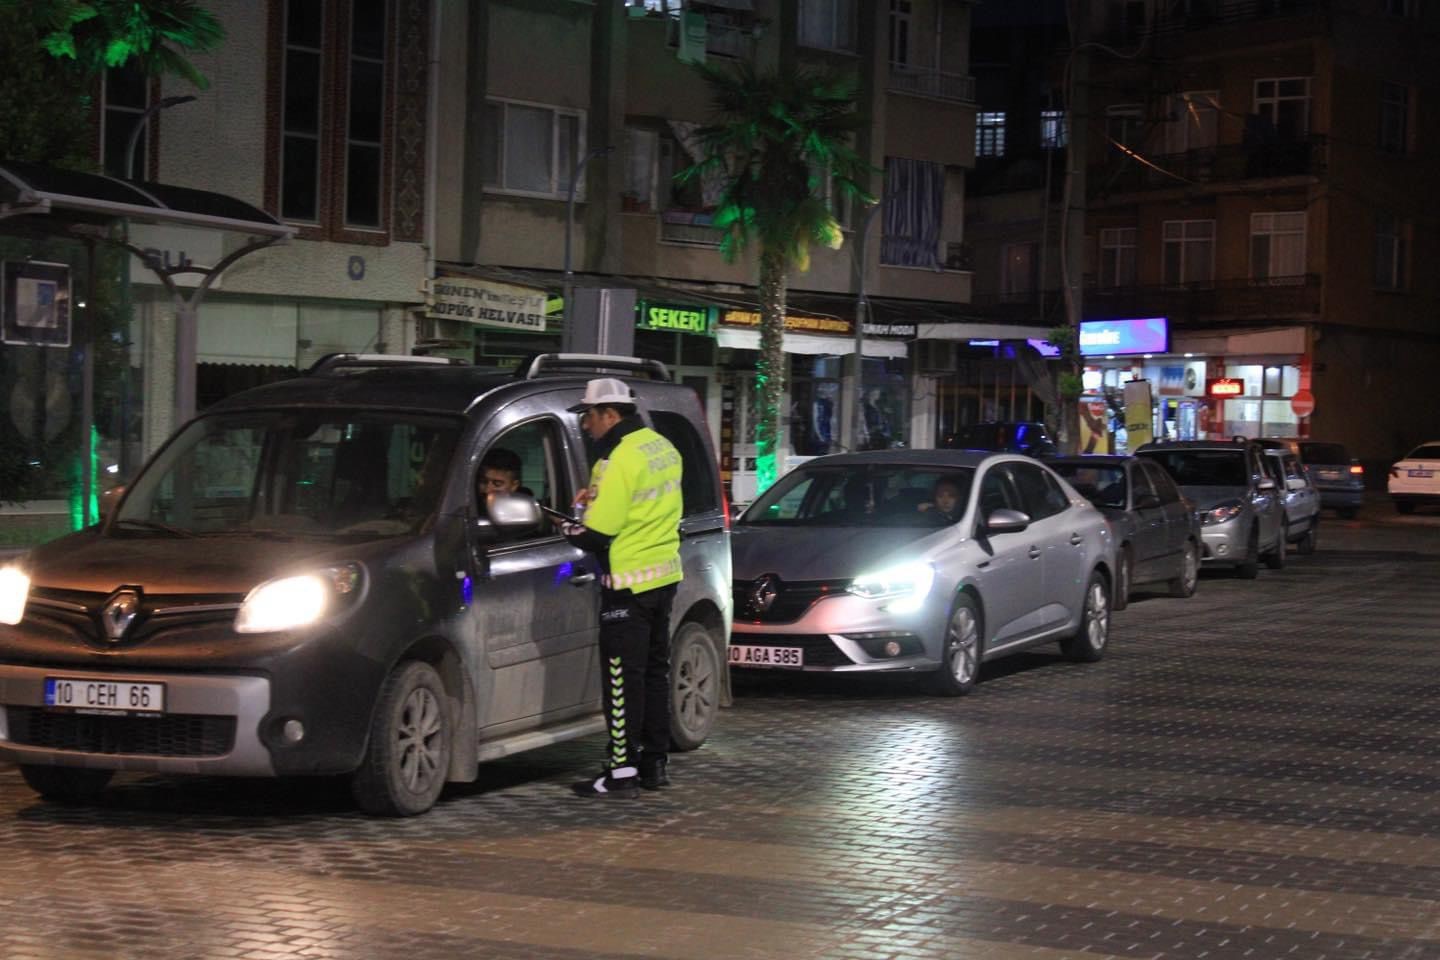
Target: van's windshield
x,y
286,474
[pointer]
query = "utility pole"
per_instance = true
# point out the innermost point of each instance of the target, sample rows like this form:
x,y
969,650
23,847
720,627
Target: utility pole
x,y
1072,252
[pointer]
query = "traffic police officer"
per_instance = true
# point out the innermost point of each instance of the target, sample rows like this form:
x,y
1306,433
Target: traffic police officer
x,y
631,521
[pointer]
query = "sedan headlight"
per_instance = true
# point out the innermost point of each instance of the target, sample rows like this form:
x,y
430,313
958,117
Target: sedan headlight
x,y
14,591
298,601
907,584
1221,512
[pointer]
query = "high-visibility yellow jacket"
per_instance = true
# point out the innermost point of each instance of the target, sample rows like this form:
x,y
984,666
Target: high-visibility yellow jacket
x,y
635,499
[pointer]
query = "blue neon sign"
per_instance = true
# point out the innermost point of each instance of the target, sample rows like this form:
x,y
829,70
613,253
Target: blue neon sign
x,y
1117,337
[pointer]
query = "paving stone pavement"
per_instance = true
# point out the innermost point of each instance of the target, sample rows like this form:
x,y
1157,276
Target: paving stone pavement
x,y
1250,773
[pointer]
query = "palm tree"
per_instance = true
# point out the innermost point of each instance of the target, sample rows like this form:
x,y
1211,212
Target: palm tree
x,y
154,34
775,139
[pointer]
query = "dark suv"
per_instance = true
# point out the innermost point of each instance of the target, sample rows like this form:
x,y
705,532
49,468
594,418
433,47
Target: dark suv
x,y
305,580
1009,436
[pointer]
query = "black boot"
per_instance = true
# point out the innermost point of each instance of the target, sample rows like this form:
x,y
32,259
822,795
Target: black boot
x,y
653,775
607,786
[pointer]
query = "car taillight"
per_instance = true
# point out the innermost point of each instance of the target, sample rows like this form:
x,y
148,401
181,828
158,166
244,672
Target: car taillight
x,y
1355,468
1395,470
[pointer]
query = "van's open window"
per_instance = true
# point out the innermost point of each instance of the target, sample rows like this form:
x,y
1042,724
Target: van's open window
x,y
530,454
276,474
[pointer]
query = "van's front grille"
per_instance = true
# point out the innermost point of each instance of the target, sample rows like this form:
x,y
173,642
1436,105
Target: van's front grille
x,y
172,735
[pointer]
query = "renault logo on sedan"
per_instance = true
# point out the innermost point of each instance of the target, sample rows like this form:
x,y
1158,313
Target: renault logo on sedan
x,y
119,612
763,593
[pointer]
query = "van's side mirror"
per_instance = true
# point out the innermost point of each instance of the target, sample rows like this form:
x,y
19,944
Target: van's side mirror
x,y
512,511
109,499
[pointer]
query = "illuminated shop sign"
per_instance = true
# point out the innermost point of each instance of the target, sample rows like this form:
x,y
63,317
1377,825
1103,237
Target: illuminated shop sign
x,y
1225,387
1045,347
1121,337
749,318
678,318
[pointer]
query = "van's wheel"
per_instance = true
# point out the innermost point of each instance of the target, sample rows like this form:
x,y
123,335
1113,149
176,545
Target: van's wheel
x,y
65,783
1123,572
1275,559
695,680
960,658
1249,568
1306,545
1185,584
408,756
1088,642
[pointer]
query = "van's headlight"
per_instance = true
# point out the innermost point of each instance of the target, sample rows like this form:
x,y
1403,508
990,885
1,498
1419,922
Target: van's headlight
x,y
14,590
908,584
298,601
1221,512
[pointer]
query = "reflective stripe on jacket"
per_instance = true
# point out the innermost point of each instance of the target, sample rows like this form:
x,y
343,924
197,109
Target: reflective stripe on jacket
x,y
635,498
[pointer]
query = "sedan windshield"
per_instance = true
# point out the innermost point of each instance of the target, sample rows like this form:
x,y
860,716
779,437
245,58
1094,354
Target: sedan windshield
x,y
870,495
1203,468
283,475
1102,485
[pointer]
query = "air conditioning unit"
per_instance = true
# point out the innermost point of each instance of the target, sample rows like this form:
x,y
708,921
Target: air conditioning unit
x,y
935,356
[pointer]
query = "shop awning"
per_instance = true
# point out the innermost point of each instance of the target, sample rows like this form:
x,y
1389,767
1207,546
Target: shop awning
x,y
31,188
979,331
809,343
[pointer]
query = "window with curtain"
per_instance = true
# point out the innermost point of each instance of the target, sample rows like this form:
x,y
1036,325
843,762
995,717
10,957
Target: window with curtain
x,y
1192,122
1284,102
914,200
532,149
990,133
1277,246
1117,257
1390,252
827,24
1394,117
1189,252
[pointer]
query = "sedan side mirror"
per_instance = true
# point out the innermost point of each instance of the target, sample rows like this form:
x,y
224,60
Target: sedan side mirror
x,y
1265,485
1296,483
1145,501
1006,521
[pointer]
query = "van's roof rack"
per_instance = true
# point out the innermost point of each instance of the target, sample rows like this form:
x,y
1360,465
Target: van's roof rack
x,y
334,361
553,364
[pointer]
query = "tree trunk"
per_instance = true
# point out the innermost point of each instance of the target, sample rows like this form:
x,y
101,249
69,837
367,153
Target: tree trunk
x,y
770,371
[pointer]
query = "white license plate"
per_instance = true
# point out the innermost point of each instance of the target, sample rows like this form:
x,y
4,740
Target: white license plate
x,y
1422,473
1329,474
788,657
107,697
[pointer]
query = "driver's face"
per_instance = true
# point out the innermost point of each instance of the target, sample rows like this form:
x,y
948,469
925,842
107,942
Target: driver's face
x,y
947,498
499,481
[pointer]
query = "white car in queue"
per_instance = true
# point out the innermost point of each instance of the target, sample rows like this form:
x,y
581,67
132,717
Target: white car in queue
x,y
919,560
1415,480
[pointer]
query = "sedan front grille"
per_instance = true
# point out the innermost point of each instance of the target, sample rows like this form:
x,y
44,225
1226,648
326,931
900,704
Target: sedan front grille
x,y
792,600
172,735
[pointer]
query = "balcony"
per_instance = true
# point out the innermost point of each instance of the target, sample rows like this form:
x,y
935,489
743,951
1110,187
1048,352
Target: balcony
x,y
931,83
1278,297
1189,16
723,37
1229,163
688,228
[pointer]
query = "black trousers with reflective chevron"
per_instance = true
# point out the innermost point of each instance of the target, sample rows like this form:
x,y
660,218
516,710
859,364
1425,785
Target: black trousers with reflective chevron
x,y
635,673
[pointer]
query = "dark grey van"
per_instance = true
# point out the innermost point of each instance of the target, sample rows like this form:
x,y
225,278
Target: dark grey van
x,y
305,581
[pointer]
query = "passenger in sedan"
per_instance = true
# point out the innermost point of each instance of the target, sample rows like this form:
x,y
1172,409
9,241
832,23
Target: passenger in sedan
x,y
945,502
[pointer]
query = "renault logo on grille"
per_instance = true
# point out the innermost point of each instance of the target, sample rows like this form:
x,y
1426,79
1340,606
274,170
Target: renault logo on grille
x,y
762,594
119,612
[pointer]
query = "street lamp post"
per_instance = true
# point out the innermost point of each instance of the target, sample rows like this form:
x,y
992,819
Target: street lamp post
x,y
575,175
140,125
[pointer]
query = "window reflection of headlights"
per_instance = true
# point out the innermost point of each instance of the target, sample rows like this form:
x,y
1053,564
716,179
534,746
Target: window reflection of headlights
x,y
14,591
1221,513
907,584
299,601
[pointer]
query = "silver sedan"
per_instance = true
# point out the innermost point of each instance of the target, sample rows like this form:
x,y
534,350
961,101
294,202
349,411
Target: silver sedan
x,y
919,560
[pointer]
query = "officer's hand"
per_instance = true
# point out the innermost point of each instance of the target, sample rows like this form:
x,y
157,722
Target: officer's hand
x,y
572,529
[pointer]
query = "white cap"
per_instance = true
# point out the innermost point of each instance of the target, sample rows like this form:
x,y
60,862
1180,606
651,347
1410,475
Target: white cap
x,y
606,390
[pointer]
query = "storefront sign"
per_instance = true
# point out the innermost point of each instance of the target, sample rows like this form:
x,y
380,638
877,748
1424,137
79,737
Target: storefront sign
x,y
906,330
1226,387
747,318
674,317
1118,337
36,305
1044,347
487,303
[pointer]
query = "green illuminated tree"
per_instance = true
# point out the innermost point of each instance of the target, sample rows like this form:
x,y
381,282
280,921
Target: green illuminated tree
x,y
775,138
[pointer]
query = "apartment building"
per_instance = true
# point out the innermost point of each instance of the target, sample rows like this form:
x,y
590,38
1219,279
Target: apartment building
x,y
1257,177
533,91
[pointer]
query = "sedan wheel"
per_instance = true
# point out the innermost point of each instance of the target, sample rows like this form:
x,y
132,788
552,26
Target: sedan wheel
x,y
1185,584
1088,643
960,659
